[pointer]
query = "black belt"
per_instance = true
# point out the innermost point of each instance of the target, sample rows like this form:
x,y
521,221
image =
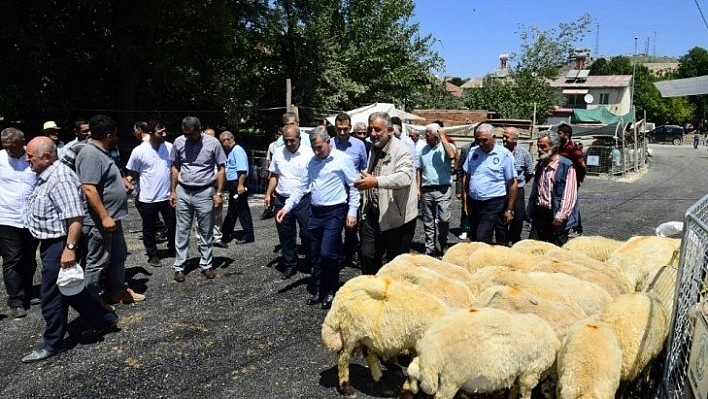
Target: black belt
x,y
436,187
195,188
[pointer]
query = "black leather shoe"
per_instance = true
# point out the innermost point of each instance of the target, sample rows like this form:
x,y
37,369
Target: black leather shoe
x,y
289,272
39,355
317,298
179,277
244,241
327,302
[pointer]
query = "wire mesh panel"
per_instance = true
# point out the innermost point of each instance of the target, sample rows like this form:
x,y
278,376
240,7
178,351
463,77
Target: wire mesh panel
x,y
686,363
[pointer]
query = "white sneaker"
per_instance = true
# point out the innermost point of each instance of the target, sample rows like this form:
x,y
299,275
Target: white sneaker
x,y
463,236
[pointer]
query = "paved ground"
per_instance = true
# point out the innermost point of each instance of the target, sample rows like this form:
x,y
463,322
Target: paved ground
x,y
246,334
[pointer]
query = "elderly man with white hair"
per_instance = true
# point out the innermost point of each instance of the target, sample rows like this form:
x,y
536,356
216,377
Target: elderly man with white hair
x,y
490,189
434,183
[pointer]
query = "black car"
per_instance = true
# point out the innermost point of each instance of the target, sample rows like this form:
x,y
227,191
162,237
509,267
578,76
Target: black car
x,y
666,134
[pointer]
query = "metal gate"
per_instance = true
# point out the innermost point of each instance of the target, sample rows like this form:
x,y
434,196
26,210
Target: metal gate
x,y
686,368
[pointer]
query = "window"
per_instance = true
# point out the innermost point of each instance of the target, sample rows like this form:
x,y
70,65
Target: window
x,y
574,101
604,99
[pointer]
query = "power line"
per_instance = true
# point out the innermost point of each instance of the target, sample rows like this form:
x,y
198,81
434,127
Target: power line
x,y
701,12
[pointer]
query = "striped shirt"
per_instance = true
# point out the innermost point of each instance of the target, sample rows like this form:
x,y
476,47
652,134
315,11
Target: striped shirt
x,y
545,185
56,198
523,164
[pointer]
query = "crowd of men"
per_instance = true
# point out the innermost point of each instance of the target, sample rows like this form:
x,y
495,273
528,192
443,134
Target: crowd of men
x,y
355,197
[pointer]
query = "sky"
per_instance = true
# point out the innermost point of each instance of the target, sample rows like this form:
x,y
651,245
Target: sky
x,y
471,34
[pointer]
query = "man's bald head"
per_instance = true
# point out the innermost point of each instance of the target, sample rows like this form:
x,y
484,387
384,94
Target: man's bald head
x,y
41,153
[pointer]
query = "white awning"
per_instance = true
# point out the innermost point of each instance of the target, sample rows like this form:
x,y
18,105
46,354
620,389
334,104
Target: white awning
x,y
683,87
575,91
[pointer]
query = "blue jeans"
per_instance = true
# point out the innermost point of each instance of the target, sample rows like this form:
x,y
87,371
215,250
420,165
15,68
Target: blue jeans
x,y
55,306
191,203
287,230
105,250
325,227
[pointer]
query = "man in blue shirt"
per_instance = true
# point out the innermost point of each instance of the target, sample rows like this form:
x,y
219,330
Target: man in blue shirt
x,y
524,173
490,187
434,182
357,152
335,203
236,174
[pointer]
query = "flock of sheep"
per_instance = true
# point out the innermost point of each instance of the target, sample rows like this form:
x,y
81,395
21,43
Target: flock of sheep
x,y
584,318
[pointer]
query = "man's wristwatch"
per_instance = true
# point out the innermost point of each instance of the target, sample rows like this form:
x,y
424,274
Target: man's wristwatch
x,y
510,211
71,246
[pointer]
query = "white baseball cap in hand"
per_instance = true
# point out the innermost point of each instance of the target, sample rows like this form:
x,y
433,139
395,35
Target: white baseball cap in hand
x,y
71,280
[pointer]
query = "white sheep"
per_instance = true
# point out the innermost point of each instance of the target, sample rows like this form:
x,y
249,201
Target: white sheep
x,y
612,286
515,300
459,254
616,274
640,254
385,316
533,247
596,247
482,350
589,362
454,293
450,270
502,256
587,298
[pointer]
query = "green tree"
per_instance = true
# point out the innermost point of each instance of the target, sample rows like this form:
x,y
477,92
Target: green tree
x,y
693,64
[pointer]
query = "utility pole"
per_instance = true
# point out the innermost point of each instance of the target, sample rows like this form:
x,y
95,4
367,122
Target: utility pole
x,y
597,41
635,45
289,98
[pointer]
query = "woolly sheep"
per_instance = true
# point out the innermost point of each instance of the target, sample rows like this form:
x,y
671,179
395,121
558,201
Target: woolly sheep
x,y
386,316
533,247
502,256
514,300
454,293
640,254
616,274
596,247
455,272
589,362
587,298
459,254
613,287
482,350
641,324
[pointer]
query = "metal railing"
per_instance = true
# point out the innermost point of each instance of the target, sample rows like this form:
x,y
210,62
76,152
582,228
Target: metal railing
x,y
686,367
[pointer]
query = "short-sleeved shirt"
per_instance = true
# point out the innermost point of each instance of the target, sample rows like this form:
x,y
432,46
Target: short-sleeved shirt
x,y
154,168
237,161
573,152
197,160
489,172
57,198
291,167
96,167
435,166
523,164
16,184
355,149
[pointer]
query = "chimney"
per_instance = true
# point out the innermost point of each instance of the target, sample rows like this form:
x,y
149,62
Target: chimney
x,y
503,58
580,61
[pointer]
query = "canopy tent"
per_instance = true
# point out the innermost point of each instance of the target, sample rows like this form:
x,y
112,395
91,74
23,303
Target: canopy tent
x,y
683,87
600,114
362,114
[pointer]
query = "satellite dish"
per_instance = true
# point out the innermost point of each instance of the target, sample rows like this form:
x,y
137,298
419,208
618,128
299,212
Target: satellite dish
x,y
588,98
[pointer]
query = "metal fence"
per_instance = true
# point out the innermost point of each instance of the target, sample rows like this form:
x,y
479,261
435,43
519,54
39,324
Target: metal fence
x,y
686,368
614,160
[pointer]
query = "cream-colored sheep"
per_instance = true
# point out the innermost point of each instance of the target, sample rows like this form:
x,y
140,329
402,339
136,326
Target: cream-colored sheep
x,y
589,362
459,254
588,298
386,316
533,247
558,315
502,256
482,350
454,293
450,270
616,274
596,247
640,254
613,287
641,324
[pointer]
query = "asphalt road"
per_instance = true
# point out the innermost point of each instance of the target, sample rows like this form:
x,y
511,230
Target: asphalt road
x,y
247,334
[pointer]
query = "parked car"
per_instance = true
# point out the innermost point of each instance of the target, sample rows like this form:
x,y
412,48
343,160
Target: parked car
x,y
666,134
